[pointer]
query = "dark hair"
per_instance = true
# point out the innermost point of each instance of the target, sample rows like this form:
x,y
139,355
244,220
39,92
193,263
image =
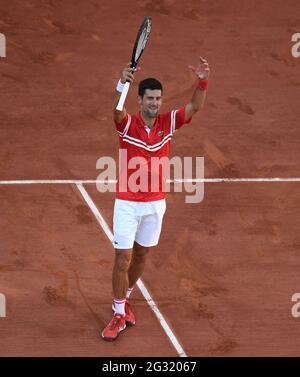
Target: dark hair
x,y
151,84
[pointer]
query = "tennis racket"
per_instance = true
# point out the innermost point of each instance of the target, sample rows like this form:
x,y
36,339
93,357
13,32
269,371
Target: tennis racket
x,y
138,49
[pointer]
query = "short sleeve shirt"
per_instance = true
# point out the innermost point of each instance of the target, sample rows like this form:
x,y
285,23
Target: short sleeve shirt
x,y
144,155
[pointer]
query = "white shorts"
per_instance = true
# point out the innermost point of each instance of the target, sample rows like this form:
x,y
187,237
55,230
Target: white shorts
x,y
137,221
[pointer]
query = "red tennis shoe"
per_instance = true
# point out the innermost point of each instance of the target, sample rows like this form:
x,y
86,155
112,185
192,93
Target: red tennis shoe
x,y
115,326
129,315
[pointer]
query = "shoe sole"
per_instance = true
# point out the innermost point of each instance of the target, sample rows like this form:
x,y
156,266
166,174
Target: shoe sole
x,y
108,339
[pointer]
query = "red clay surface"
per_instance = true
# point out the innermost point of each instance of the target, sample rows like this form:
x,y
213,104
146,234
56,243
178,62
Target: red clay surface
x,y
226,269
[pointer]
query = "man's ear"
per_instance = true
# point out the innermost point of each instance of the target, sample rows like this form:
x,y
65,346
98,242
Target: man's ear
x,y
139,100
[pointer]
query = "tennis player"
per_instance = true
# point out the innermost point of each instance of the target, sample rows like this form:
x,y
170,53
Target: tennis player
x,y
138,213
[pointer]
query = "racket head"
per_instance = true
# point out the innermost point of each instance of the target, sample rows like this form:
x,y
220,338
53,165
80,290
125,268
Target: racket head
x,y
141,41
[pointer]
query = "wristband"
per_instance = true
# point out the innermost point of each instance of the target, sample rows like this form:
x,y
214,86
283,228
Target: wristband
x,y
202,84
120,86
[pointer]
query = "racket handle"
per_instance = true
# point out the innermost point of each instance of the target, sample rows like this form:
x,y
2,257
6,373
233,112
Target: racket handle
x,y
123,96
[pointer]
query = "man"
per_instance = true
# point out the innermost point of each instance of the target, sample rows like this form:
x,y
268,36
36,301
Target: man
x,y
138,213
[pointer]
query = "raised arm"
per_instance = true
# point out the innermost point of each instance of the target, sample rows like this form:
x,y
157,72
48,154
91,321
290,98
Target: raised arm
x,y
126,75
198,98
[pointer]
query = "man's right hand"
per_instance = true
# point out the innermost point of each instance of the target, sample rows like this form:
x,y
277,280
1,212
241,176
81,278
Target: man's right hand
x,y
128,74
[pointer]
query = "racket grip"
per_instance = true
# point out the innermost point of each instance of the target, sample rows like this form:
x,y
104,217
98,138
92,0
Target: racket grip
x,y
123,96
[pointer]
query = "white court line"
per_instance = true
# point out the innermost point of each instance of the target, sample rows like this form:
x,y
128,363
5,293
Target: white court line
x,y
140,284
195,180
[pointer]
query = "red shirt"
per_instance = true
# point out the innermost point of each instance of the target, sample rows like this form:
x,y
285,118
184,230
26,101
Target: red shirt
x,y
141,178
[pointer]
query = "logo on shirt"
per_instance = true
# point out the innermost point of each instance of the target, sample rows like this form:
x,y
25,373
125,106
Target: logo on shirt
x,y
160,133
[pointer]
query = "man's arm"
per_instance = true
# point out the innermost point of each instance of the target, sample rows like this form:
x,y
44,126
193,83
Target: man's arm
x,y
198,98
127,75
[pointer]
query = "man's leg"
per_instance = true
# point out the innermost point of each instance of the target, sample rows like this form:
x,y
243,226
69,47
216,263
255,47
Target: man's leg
x,y
120,286
120,282
123,258
134,272
137,264
125,226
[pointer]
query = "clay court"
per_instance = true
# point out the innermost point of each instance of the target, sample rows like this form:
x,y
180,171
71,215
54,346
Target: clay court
x,y
226,269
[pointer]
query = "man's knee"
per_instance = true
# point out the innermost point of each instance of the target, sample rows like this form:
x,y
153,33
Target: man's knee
x,y
140,251
122,260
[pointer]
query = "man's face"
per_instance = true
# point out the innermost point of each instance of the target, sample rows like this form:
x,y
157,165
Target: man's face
x,y
151,102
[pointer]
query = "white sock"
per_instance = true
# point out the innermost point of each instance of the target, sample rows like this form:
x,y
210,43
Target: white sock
x,y
128,293
119,306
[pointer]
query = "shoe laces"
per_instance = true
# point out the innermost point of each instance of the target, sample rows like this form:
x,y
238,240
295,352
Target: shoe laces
x,y
115,321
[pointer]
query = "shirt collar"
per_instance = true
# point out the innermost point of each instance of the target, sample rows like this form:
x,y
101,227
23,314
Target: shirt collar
x,y
142,124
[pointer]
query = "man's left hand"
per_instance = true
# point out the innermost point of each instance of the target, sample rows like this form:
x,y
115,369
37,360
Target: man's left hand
x,y
202,70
